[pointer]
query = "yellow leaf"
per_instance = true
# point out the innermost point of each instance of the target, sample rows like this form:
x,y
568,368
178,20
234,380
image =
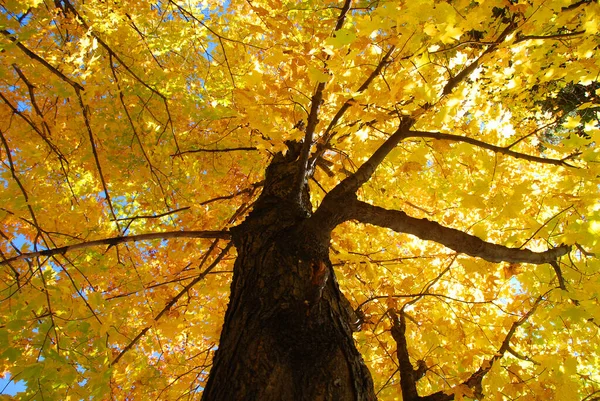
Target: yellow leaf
x,y
317,75
572,122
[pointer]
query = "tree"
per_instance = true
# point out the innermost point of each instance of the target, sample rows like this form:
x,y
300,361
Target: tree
x,y
270,200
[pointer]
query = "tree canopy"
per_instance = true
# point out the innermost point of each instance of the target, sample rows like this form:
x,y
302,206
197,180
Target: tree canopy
x,y
134,135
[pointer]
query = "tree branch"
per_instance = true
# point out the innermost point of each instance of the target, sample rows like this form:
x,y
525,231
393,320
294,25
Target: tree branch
x,y
449,237
498,149
40,60
88,126
121,240
15,177
559,276
352,183
577,4
311,125
70,8
330,214
408,378
209,29
153,170
45,132
153,216
174,300
342,16
518,355
465,72
313,120
408,382
558,36
327,135
474,381
224,150
250,191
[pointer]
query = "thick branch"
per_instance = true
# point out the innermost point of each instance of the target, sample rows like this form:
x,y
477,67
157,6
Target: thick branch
x,y
313,120
342,16
352,183
408,382
559,275
121,240
333,210
311,125
449,237
498,149
474,382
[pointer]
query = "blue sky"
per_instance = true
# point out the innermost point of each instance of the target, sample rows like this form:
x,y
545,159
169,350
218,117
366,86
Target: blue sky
x,y
7,386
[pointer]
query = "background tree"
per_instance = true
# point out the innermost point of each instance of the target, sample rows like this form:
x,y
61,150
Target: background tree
x,y
437,162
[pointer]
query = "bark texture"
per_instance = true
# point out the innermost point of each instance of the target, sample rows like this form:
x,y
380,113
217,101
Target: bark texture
x,y
287,333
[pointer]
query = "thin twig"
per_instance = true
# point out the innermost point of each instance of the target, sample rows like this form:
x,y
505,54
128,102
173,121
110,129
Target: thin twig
x,y
224,150
153,216
174,300
558,36
498,149
88,127
40,60
465,72
328,134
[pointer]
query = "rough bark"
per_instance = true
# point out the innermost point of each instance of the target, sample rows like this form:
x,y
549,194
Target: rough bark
x,y
287,333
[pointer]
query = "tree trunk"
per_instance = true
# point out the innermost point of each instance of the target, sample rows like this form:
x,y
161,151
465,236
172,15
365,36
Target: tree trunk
x,y
287,333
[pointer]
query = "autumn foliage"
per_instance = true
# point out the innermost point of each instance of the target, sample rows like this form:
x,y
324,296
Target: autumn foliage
x,y
135,135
